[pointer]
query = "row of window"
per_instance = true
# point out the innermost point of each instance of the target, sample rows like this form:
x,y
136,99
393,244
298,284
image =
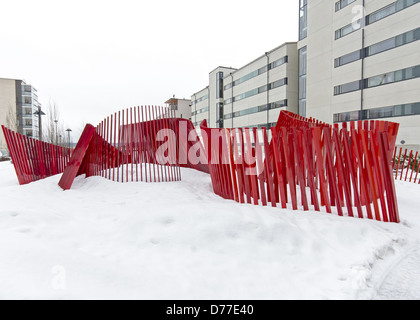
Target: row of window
x,y
199,111
255,73
389,10
374,17
378,113
259,90
270,106
376,48
386,78
201,99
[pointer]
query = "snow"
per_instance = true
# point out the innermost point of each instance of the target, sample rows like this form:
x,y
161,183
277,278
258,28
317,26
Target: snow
x,y
178,240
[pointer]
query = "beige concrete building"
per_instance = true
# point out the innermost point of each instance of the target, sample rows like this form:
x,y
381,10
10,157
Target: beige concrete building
x,y
251,96
18,103
182,107
360,59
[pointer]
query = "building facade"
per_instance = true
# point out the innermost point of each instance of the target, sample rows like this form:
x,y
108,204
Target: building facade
x,y
18,103
251,96
182,107
360,59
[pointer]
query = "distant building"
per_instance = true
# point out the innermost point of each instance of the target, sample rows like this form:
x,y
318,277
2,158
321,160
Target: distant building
x,y
18,103
251,96
182,107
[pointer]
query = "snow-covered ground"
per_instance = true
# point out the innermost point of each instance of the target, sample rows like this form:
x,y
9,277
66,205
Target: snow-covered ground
x,y
178,240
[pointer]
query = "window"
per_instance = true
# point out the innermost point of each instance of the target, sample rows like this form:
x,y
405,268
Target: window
x,y
278,62
378,113
270,106
201,99
259,90
379,80
220,114
302,56
396,76
344,31
27,100
377,48
303,19
258,72
200,111
342,3
348,87
348,58
219,85
389,10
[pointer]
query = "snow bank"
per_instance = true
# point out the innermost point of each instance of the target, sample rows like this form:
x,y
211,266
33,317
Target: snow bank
x,y
108,240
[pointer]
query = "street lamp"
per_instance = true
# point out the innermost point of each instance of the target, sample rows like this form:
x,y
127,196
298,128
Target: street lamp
x,y
68,131
56,132
39,113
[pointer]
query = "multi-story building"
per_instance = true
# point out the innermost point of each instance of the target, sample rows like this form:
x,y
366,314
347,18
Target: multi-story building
x,y
360,59
18,103
251,96
182,107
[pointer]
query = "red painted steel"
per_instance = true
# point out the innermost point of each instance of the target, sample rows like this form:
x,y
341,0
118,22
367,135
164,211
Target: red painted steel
x,y
33,159
405,170
332,166
347,168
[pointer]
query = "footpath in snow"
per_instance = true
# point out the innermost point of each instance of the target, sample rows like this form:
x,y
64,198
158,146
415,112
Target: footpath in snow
x,y
178,240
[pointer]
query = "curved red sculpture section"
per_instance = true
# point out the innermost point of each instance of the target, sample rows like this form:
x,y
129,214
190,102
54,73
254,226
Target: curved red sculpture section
x,y
308,163
33,159
137,144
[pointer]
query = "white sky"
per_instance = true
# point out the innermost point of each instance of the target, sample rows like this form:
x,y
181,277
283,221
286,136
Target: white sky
x,y
93,58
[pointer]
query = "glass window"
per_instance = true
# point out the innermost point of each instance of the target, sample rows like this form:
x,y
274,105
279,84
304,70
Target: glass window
x,y
347,87
389,10
302,70
342,3
382,46
380,80
348,29
303,19
219,85
380,14
348,58
302,108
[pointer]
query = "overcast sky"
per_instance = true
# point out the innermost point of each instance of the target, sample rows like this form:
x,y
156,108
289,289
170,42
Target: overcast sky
x,y
93,58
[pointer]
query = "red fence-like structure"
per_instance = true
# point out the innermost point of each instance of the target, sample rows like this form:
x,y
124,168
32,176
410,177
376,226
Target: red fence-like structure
x,y
406,165
33,159
144,143
308,163
346,169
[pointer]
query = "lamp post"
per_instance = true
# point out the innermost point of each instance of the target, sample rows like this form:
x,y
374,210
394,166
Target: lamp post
x,y
68,131
39,113
56,132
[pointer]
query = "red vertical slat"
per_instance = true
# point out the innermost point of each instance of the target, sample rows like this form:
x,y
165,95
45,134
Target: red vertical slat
x,y
260,167
316,139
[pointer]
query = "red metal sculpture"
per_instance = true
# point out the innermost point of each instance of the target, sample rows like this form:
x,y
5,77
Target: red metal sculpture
x,y
306,164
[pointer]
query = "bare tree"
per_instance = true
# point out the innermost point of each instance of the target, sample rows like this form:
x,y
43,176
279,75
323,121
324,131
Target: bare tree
x,y
53,128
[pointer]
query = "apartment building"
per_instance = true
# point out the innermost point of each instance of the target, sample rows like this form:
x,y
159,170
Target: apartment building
x,y
251,96
182,107
18,103
360,59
